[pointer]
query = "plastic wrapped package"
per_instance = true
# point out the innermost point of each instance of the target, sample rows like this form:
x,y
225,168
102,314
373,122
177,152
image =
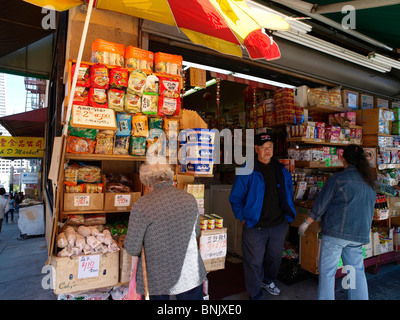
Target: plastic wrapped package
x,y
83,132
119,78
75,219
168,106
149,103
139,59
94,220
124,125
79,188
335,97
140,127
318,96
81,96
137,146
94,187
83,79
80,145
132,103
104,144
116,99
152,84
61,240
136,82
71,176
99,76
108,52
167,63
121,145
98,98
89,174
169,87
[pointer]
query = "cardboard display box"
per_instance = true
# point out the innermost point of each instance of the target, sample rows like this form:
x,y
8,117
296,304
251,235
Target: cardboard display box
x,y
370,119
85,272
379,248
394,206
120,201
213,248
83,201
125,266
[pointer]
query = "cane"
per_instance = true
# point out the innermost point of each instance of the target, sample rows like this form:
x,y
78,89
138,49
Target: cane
x,y
146,287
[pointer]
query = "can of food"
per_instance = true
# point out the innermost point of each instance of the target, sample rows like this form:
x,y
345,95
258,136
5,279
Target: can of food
x,y
218,221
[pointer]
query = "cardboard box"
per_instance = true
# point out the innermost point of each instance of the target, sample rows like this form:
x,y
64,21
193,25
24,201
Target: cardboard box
x,y
381,103
394,206
300,96
125,266
370,120
379,248
366,101
83,201
120,201
213,248
396,241
75,274
350,99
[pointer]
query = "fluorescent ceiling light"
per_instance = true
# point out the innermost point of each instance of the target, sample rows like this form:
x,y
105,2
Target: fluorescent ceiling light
x,y
195,89
384,60
238,75
331,49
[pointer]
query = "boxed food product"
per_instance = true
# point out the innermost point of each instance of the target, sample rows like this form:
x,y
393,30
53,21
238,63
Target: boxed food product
x,y
381,103
198,166
350,99
213,248
83,201
108,52
121,191
168,63
139,59
197,135
366,101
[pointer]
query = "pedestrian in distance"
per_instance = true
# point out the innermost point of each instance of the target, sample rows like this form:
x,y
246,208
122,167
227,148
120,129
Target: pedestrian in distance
x,y
263,202
165,222
4,206
11,202
345,206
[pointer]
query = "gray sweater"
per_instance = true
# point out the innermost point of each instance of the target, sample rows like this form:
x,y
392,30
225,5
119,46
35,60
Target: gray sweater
x,y
166,221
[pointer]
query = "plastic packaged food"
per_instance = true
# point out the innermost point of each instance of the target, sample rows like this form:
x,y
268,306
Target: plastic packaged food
x,y
132,103
81,96
75,219
169,87
83,132
116,99
149,103
121,145
137,146
152,84
168,106
124,124
89,174
83,79
94,187
99,77
140,59
140,127
104,144
80,188
136,82
80,145
108,52
119,78
168,63
71,176
98,98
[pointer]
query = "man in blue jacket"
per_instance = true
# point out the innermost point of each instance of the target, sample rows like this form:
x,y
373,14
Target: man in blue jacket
x,y
263,202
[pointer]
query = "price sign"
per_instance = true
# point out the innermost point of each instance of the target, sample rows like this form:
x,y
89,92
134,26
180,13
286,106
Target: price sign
x,y
90,117
81,201
213,246
89,266
122,200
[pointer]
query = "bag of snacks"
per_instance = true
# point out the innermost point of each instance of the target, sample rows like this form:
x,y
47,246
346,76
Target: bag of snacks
x,y
94,187
168,63
136,82
152,84
99,77
116,99
137,146
121,145
98,98
168,106
108,52
335,97
82,132
149,103
83,79
140,59
132,103
140,126
104,144
80,145
124,124
119,78
79,188
317,96
75,219
71,176
81,96
89,174
169,87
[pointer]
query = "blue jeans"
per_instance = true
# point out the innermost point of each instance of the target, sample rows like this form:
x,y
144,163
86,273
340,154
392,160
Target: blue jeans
x,y
192,294
262,256
352,256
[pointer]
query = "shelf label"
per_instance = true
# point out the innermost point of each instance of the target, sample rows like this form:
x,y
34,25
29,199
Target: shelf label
x,y
90,117
213,246
81,201
122,200
89,266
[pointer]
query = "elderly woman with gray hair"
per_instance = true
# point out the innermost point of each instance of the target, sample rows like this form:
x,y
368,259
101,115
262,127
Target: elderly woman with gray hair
x,y
165,221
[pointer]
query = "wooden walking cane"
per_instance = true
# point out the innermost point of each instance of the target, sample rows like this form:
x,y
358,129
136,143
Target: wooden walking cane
x,y
146,287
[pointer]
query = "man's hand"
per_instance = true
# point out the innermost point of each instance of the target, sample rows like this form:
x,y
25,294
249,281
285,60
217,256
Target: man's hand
x,y
302,229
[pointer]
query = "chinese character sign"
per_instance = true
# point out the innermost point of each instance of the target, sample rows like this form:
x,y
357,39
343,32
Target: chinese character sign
x,y
21,147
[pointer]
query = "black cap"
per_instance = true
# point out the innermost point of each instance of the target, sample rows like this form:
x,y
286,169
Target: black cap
x,y
261,138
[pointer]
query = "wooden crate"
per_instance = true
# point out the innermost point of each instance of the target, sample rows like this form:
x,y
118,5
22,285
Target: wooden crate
x,y
68,278
309,251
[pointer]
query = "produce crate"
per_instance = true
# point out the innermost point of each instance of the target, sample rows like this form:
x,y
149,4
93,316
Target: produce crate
x,y
85,272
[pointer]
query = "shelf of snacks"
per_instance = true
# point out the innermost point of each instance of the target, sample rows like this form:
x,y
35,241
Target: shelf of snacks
x,y
322,141
316,165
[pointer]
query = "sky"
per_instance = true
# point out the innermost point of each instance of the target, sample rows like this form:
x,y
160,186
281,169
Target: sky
x,y
16,94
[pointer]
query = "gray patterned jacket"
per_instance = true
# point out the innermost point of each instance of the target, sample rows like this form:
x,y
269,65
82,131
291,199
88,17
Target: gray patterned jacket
x,y
166,221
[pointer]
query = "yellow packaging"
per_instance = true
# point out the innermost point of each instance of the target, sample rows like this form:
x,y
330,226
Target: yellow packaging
x,y
218,221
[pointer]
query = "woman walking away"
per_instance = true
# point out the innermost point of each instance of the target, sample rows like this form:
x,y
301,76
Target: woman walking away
x,y
166,223
4,205
345,206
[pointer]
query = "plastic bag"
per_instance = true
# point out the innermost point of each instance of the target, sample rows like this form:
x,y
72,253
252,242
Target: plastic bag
x,y
132,294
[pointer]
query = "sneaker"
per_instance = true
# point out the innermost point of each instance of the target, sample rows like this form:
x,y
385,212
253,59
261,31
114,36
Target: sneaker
x,y
271,288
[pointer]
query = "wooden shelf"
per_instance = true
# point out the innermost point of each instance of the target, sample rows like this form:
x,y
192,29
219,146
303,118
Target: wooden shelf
x,y
389,166
327,109
320,141
100,157
314,164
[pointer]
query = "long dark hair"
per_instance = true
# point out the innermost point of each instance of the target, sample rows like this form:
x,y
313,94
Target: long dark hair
x,y
354,155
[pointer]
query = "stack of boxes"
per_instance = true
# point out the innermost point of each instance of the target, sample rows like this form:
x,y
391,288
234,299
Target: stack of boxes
x,y
286,110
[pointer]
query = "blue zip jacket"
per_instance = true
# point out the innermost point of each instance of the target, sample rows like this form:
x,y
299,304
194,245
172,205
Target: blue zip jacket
x,y
247,194
345,206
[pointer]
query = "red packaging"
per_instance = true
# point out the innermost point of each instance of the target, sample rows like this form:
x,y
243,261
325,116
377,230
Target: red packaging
x,y
168,106
99,77
81,96
169,87
321,129
98,98
119,78
83,75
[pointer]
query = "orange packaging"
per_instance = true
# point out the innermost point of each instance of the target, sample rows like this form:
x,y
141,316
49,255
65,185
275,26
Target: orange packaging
x,y
108,53
139,59
168,63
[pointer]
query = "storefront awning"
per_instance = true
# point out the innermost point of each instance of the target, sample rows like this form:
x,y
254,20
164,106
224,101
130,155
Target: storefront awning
x,y
26,124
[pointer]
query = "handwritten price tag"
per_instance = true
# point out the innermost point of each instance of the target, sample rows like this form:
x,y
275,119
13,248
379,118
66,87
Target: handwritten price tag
x,y
90,117
89,266
213,246
81,201
122,200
